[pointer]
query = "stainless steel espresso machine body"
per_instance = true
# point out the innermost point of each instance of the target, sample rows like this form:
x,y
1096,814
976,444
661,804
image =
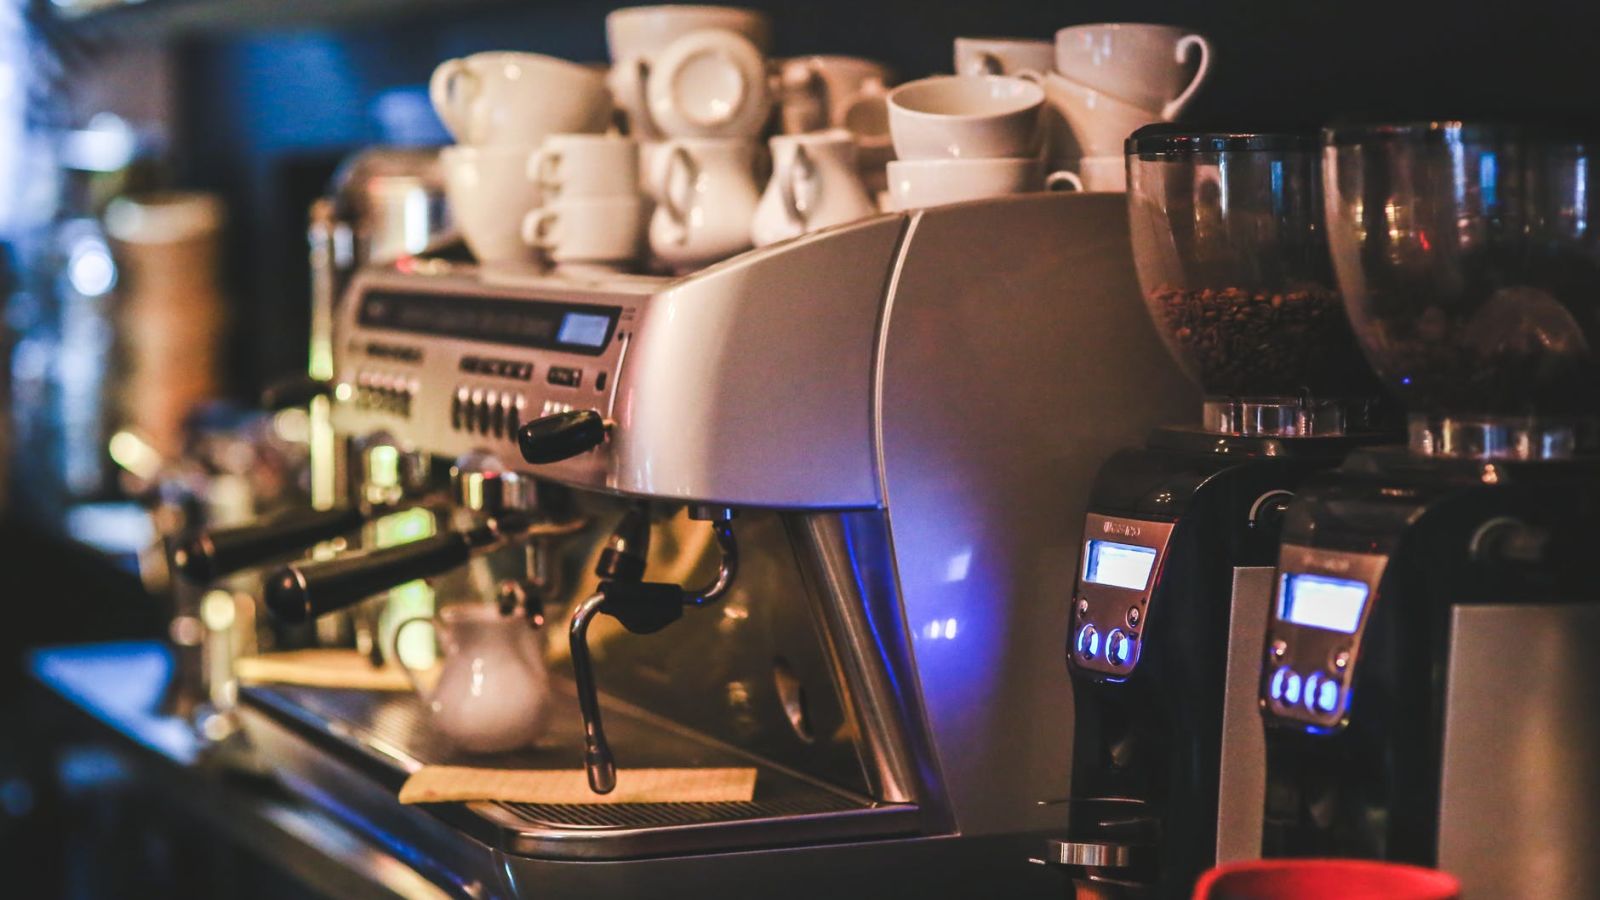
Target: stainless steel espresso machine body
x,y
1430,685
862,442
1182,532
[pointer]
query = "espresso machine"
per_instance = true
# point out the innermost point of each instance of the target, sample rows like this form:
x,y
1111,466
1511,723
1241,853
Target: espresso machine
x,y
1430,684
772,527
1182,532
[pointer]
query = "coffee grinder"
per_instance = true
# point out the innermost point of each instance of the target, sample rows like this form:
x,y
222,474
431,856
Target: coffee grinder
x,y
1182,532
1431,689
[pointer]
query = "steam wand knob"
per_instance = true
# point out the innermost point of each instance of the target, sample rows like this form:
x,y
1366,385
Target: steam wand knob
x,y
553,438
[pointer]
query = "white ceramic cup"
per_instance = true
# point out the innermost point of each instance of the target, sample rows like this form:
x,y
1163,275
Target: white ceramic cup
x,y
586,165
920,183
587,229
815,184
1155,67
706,199
489,193
1004,56
965,117
710,83
636,35
1104,173
821,92
643,31
516,99
1082,122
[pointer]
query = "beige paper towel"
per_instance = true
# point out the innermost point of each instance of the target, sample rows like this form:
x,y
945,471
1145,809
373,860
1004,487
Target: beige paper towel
x,y
325,669
458,784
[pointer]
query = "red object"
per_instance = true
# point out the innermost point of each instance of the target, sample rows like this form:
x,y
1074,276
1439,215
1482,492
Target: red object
x,y
1325,879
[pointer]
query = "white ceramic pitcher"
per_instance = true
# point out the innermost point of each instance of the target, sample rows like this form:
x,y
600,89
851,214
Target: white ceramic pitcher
x,y
493,692
815,184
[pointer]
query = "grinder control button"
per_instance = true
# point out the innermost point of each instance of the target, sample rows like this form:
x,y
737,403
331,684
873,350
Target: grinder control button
x,y
1088,642
1291,688
1275,688
1327,699
1119,647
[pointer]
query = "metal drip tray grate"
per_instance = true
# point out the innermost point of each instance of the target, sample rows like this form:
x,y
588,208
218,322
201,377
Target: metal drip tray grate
x,y
390,735
661,815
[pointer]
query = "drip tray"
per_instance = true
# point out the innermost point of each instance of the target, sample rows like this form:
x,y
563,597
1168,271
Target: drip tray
x,y
386,736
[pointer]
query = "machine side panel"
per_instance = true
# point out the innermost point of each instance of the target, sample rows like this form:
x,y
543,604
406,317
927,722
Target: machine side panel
x,y
749,383
1520,799
1018,356
1242,788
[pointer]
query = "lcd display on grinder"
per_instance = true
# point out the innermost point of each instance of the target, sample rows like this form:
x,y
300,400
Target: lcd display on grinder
x,y
1119,565
1318,601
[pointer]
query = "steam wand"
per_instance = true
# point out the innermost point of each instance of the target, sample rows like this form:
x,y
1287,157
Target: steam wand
x,y
643,607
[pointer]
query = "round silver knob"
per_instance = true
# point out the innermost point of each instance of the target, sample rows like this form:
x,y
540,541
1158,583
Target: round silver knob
x,y
482,484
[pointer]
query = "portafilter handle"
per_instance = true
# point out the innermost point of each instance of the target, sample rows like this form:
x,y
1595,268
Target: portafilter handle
x,y
304,591
213,553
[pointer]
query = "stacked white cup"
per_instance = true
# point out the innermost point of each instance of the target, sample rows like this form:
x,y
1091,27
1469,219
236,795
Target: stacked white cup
x,y
501,107
692,82
1101,83
592,214
1109,81
965,137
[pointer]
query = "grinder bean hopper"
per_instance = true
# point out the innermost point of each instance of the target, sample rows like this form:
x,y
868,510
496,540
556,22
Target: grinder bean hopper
x,y
1181,534
1430,684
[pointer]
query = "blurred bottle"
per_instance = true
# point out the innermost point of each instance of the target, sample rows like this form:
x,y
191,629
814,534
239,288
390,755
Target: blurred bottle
x,y
170,316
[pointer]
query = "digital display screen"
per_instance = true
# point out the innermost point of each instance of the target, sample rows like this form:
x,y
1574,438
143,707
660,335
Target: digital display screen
x,y
517,323
1318,601
1119,565
587,329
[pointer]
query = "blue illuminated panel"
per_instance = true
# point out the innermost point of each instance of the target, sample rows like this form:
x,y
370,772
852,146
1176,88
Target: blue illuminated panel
x,y
1318,601
1119,565
584,329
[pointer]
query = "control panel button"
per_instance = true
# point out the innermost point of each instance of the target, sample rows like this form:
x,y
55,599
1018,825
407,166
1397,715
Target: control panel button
x,y
1279,683
1119,647
600,381
564,376
1327,699
495,413
1278,649
1291,689
1088,642
1309,691
1341,659
476,420
458,407
1133,617
514,414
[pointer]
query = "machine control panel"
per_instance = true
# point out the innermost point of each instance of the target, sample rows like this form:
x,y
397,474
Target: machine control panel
x,y
1121,565
451,363
1321,603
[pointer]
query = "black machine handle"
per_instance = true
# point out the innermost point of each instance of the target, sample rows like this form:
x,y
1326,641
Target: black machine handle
x,y
223,551
295,390
553,438
304,591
